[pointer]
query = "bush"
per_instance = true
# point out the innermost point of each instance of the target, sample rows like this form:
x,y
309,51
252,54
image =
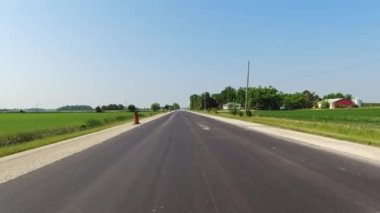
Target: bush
x,y
233,110
248,113
325,105
93,123
215,110
240,113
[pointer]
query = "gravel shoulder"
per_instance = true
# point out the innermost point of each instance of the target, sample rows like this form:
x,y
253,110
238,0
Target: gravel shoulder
x,y
358,151
21,163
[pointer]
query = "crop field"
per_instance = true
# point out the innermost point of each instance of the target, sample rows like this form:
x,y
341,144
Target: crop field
x,y
19,130
357,125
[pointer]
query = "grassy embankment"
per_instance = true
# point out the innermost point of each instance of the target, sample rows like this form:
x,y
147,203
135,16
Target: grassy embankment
x,y
24,131
356,125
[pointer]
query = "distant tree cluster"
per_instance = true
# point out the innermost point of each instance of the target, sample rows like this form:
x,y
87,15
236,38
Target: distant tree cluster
x,y
131,108
113,107
259,98
337,95
75,108
156,107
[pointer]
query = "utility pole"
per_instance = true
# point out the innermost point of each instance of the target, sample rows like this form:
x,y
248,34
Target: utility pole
x,y
246,91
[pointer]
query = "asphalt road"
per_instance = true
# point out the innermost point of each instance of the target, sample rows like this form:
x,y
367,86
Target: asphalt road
x,y
188,163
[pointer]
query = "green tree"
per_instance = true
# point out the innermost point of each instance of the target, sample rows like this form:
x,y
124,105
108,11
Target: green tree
x,y
218,100
333,95
131,108
167,107
155,107
113,107
228,95
265,98
295,101
310,98
195,102
176,106
240,96
207,102
98,109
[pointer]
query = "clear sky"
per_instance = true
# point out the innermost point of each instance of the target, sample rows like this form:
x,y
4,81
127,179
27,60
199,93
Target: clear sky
x,y
54,53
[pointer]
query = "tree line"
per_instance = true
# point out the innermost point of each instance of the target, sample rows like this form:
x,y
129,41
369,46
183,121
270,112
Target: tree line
x,y
260,98
156,107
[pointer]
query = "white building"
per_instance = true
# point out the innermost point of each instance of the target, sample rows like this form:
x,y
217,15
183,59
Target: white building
x,y
228,106
358,102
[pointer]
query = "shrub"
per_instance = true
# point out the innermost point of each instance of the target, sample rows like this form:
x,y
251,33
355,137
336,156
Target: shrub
x,y
233,110
93,123
248,113
325,105
240,113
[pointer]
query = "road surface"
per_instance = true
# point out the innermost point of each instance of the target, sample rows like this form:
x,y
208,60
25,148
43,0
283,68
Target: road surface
x,y
184,162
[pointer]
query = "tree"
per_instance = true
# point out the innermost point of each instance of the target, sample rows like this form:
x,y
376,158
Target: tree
x,y
310,98
195,102
218,100
176,106
155,107
207,102
132,108
266,98
98,109
240,96
295,101
348,96
113,107
333,95
228,95
75,108
167,107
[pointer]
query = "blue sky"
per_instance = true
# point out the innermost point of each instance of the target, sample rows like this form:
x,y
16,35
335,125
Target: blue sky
x,y
54,53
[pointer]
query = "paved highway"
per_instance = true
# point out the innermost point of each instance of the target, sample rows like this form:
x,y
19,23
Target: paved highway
x,y
184,162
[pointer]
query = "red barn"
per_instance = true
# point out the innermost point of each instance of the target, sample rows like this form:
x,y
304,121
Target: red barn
x,y
341,103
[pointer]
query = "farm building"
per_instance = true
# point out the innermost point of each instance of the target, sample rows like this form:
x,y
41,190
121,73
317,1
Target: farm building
x,y
337,103
358,102
228,106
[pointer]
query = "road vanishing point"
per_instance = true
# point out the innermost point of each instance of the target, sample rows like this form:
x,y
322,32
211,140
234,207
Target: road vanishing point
x,y
183,162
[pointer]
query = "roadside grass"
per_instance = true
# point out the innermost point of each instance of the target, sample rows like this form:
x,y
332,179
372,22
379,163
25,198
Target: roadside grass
x,y
21,132
356,125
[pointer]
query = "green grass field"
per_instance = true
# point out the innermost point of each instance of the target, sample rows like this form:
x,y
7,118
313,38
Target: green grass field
x,y
356,125
22,131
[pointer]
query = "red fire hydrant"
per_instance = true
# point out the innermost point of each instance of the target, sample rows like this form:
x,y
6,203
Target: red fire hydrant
x,y
136,118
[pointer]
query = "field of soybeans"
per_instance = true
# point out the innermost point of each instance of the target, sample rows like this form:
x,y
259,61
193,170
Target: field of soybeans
x,y
22,131
357,125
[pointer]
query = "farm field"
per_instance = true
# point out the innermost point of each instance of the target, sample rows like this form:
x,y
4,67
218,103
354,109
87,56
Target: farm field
x,y
356,125
22,131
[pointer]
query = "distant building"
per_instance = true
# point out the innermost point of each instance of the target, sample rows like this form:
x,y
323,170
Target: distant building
x,y
228,106
337,103
358,102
